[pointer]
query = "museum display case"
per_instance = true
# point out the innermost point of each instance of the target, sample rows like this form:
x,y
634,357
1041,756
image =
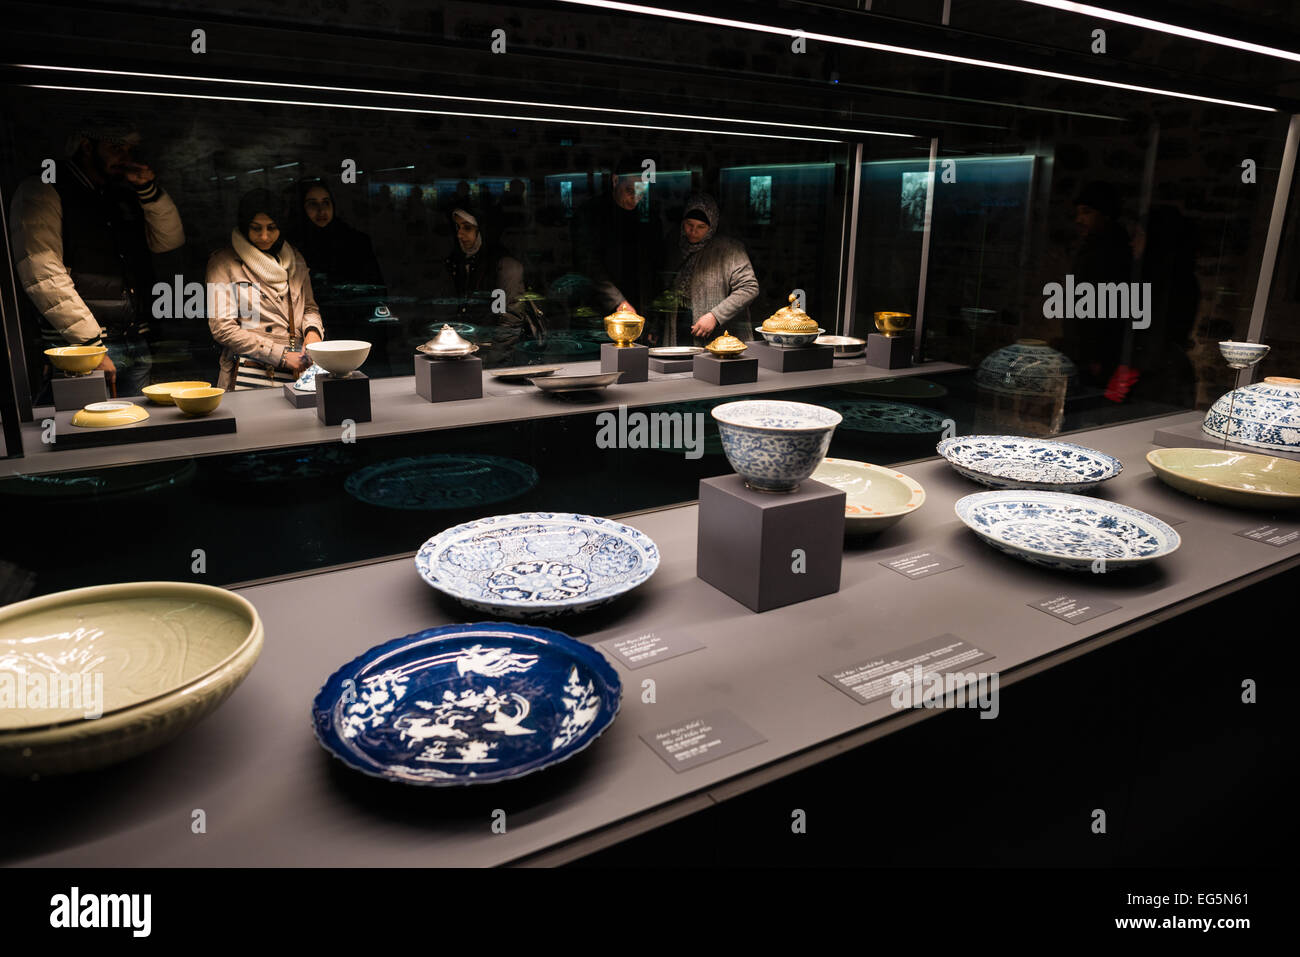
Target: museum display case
x,y
670,332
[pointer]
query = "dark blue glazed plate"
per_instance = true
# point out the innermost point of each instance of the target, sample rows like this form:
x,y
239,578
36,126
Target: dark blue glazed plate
x,y
466,704
443,481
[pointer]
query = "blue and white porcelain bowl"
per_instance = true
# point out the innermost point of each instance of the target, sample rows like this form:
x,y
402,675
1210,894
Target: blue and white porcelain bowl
x,y
1265,415
790,340
537,564
307,381
1010,461
1067,532
774,445
466,704
1026,367
1242,355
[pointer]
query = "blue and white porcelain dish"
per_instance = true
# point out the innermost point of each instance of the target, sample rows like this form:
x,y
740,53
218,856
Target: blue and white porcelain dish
x,y
790,340
442,481
537,564
1010,461
1026,367
772,444
1067,532
307,381
466,704
1242,355
889,418
1265,415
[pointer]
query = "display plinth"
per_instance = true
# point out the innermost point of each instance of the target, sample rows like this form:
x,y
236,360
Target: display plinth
x,y
164,422
799,359
446,380
768,549
633,361
1190,435
338,400
73,392
668,366
725,371
299,399
889,352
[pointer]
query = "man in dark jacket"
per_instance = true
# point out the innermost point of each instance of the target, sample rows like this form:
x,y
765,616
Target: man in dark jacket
x,y
84,245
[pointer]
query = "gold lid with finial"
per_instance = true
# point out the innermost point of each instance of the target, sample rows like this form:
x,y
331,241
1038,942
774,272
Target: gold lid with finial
x,y
790,319
726,345
623,326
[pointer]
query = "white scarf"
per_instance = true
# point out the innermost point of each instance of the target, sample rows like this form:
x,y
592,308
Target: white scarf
x,y
270,273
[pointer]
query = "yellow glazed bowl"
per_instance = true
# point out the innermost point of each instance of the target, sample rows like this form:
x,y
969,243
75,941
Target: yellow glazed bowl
x,y
107,415
893,323
76,360
161,392
198,401
124,669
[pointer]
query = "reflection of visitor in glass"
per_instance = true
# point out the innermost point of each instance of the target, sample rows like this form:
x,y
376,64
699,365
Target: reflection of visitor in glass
x,y
337,254
478,267
1103,256
269,346
614,248
714,281
83,248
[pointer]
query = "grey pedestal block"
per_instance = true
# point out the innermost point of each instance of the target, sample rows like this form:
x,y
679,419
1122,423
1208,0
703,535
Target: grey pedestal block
x,y
766,549
802,359
446,380
164,422
75,392
889,352
671,365
725,371
299,399
633,361
341,399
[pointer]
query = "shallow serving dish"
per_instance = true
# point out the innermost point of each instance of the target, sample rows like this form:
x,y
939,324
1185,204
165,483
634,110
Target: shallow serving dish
x,y
1067,532
772,444
467,704
846,347
1240,479
155,656
876,497
108,415
339,357
676,352
77,360
198,401
576,383
161,392
537,564
1011,461
523,373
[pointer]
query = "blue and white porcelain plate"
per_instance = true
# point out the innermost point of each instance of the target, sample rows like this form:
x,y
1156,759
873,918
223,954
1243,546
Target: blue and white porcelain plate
x,y
894,418
1010,461
444,481
537,564
1068,532
307,381
466,704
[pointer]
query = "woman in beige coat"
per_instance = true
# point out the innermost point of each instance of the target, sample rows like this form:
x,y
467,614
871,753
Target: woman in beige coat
x,y
260,305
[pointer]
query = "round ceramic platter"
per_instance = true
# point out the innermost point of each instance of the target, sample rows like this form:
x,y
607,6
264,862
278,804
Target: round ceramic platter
x,y
466,704
846,347
1009,461
576,383
1068,532
537,564
676,352
108,415
523,373
123,480
290,465
895,418
442,481
307,381
904,388
1240,479
142,660
876,497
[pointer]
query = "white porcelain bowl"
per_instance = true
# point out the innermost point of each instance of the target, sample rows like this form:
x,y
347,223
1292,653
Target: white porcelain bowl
x,y
339,357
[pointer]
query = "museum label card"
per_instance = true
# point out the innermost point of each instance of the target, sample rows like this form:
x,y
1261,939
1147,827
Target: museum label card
x,y
872,679
921,564
695,741
1074,610
1277,535
637,651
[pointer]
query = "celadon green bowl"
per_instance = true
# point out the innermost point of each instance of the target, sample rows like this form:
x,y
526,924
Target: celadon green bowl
x,y
1239,479
152,658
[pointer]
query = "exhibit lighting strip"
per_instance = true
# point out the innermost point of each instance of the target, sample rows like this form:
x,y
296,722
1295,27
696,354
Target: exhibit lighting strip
x,y
1128,19
905,51
475,99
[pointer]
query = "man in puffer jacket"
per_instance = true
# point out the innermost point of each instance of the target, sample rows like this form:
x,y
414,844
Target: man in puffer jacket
x,y
84,245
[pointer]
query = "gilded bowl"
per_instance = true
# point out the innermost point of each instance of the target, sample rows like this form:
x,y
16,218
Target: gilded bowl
x,y
624,327
77,360
893,323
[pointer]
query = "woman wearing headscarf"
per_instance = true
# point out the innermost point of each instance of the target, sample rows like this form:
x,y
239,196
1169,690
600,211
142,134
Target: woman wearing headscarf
x,y
336,253
264,329
477,267
714,282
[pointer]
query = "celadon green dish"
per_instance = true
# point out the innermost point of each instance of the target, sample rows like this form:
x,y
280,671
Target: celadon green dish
x,y
875,497
1240,479
93,676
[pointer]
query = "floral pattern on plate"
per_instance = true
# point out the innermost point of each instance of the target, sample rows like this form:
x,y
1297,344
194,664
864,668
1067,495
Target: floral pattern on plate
x,y
1009,461
433,482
